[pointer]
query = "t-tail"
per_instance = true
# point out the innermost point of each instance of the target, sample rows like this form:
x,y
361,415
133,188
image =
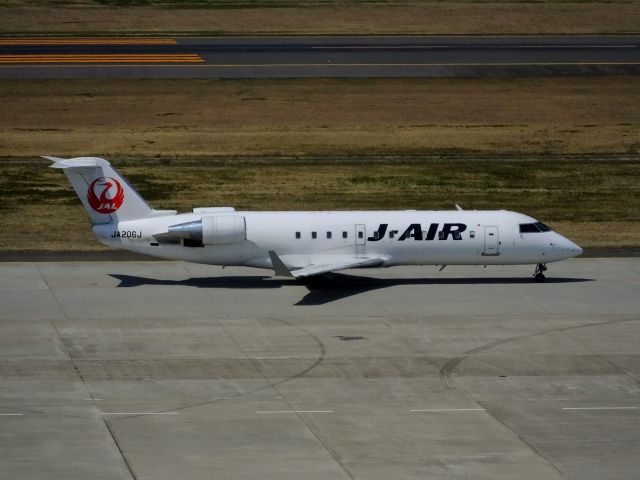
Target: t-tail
x,y
106,195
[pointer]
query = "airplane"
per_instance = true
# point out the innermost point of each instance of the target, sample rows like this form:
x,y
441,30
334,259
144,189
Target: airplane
x,y
303,244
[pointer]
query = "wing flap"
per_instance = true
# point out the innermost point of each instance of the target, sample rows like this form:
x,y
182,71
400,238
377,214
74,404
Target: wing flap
x,y
319,269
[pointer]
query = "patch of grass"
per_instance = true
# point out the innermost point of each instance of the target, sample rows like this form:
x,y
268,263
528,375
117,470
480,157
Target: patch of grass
x,y
150,186
354,17
593,200
26,185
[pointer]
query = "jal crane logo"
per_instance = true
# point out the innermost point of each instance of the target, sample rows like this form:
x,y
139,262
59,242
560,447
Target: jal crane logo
x,y
105,195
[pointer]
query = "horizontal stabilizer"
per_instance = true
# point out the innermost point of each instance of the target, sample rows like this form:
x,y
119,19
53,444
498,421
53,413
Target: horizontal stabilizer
x,y
81,162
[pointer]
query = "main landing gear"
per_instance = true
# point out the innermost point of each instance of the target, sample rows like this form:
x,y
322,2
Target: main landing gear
x,y
538,274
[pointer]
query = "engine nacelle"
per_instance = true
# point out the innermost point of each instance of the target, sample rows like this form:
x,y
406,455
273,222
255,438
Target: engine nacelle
x,y
212,230
223,229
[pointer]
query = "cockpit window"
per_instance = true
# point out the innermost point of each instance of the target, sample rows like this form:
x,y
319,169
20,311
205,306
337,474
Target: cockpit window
x,y
533,227
528,228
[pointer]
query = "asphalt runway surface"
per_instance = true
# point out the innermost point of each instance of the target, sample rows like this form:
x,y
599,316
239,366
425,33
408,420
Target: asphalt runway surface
x,y
165,370
260,57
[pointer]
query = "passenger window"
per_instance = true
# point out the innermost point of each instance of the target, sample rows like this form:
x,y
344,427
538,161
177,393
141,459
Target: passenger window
x,y
314,235
298,235
392,234
472,234
360,235
328,234
344,235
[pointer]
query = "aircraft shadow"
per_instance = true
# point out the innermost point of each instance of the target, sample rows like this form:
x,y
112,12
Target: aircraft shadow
x,y
329,288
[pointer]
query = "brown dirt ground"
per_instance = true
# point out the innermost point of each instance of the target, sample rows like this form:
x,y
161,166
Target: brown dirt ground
x,y
320,116
405,18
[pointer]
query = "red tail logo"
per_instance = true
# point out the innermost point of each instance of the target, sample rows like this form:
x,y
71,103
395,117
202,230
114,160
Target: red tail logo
x,y
105,195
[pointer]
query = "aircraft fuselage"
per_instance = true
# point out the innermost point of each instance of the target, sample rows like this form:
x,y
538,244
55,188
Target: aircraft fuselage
x,y
304,237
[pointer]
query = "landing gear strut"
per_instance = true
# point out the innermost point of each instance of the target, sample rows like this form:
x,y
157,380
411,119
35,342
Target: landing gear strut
x,y
538,274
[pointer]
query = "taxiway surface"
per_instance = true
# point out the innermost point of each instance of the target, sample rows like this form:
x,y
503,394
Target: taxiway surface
x,y
359,56
165,370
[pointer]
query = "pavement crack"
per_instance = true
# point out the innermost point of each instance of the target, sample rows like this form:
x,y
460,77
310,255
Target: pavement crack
x,y
117,444
449,367
318,360
82,379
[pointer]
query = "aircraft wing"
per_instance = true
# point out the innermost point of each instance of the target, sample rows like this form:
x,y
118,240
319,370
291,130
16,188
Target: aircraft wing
x,y
320,268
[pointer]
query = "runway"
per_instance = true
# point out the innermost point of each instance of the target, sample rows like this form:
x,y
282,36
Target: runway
x,y
259,57
164,370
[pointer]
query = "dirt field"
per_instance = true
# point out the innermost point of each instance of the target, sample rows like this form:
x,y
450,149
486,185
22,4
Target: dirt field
x,y
319,17
595,201
320,117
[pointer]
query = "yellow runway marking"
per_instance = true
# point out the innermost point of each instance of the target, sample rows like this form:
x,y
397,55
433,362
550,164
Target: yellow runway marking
x,y
87,41
103,58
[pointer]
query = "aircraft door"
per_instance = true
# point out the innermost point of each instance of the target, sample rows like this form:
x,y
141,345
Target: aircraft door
x,y
491,241
361,238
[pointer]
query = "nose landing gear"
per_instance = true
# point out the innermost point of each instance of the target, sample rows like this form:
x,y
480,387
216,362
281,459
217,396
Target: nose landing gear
x,y
538,274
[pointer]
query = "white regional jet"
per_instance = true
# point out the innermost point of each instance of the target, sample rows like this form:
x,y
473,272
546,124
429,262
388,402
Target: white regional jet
x,y
306,243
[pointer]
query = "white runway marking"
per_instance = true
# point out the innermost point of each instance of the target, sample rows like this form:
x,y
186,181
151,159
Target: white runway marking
x,y
139,413
450,47
296,411
438,410
280,358
599,408
11,414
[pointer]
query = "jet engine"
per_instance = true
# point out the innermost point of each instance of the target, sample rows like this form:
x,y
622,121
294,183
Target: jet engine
x,y
212,230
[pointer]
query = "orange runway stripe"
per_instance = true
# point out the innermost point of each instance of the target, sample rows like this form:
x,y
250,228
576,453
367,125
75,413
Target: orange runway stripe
x,y
105,58
87,41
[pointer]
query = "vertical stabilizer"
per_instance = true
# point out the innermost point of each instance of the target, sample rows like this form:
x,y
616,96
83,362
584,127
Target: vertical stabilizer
x,y
105,194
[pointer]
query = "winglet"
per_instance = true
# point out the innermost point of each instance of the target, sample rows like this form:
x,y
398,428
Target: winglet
x,y
279,268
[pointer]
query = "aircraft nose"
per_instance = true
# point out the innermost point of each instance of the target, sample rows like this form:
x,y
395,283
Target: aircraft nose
x,y
577,248
569,247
